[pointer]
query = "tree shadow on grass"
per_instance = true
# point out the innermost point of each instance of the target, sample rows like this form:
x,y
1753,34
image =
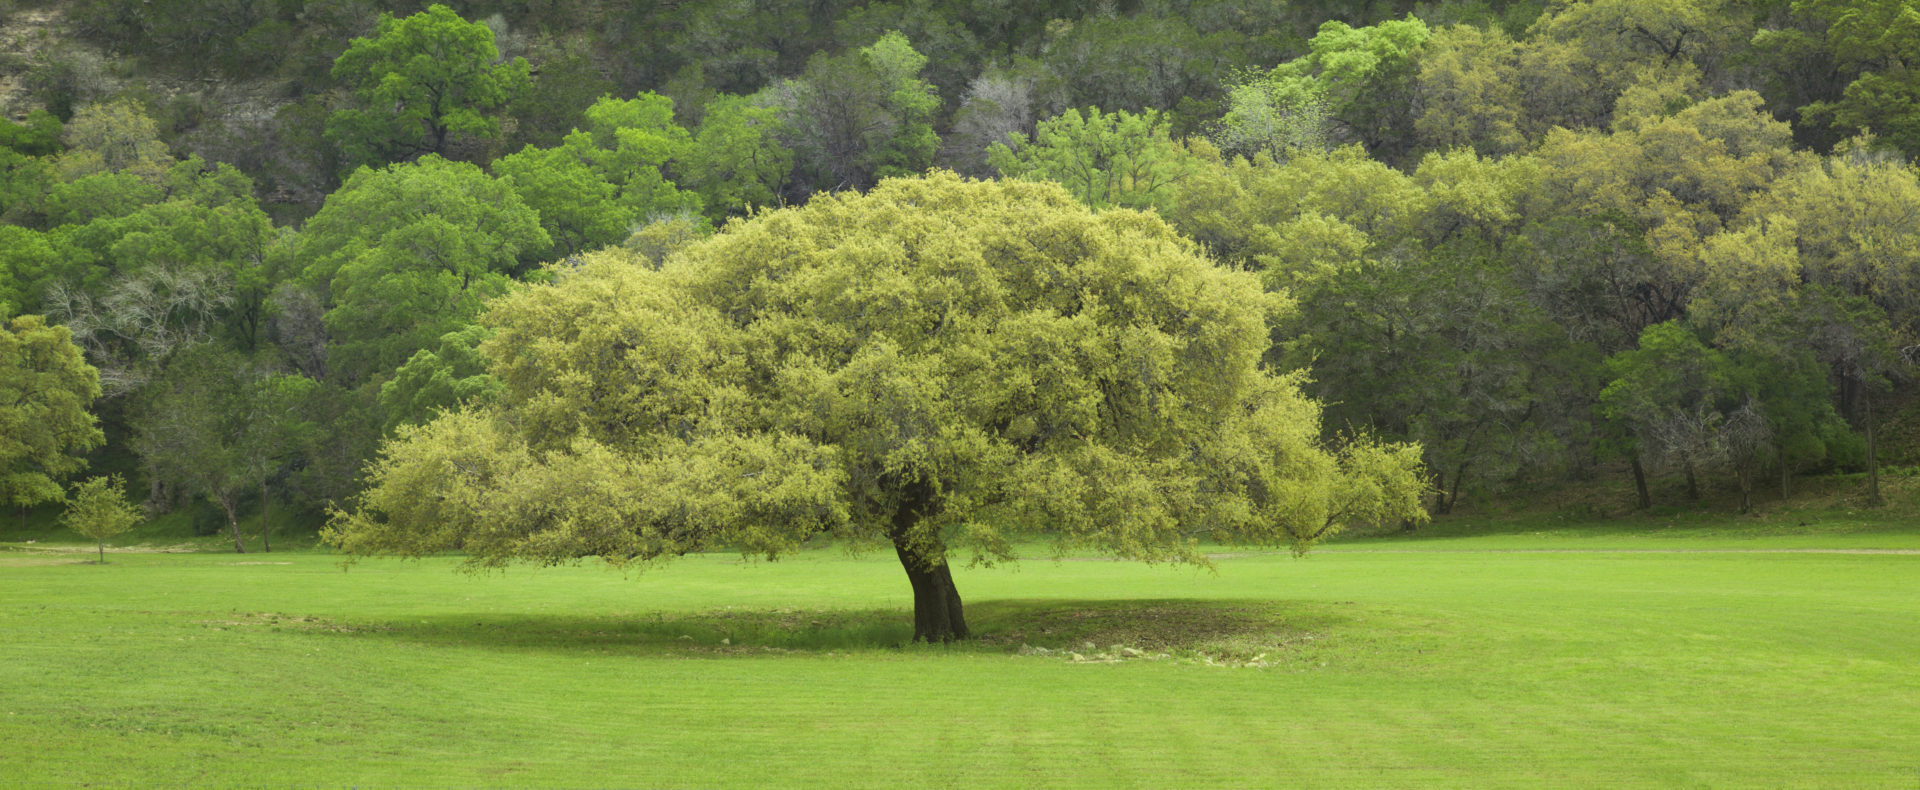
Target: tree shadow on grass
x,y
1212,628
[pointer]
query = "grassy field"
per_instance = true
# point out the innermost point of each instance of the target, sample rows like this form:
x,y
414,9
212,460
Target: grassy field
x,y
1503,652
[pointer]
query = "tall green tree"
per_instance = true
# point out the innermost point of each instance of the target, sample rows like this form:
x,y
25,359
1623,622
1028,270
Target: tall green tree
x,y
439,379
418,83
933,366
1469,91
408,253
46,387
1674,395
218,426
605,178
1362,79
736,161
189,433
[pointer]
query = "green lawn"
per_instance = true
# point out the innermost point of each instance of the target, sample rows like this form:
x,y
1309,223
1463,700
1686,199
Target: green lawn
x,y
1698,654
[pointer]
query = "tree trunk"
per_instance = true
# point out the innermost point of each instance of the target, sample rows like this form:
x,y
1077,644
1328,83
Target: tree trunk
x,y
101,544
1693,484
233,526
1786,476
266,538
1640,484
1744,471
936,604
1454,497
1873,454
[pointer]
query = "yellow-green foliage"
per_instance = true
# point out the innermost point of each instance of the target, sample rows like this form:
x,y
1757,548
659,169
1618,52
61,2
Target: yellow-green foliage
x,y
99,509
45,428
941,362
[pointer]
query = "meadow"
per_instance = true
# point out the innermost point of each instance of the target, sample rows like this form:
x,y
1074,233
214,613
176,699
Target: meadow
x,y
1695,652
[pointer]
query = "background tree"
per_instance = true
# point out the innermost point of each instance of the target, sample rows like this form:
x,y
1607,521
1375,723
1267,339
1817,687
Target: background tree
x,y
418,82
407,253
1675,396
736,161
28,265
115,136
1117,159
1469,91
932,366
861,116
998,107
1362,77
99,509
45,389
602,180
1408,311
196,425
439,379
1874,41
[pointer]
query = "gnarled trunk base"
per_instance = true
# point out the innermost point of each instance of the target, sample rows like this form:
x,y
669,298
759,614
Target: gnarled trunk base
x,y
936,603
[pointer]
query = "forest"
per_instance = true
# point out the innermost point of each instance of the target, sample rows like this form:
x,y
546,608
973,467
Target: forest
x,y
272,255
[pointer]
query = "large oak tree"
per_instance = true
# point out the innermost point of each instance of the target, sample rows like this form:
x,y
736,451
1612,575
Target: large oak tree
x,y
938,366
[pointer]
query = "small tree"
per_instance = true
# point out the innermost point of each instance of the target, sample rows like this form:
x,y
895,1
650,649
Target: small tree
x,y
99,509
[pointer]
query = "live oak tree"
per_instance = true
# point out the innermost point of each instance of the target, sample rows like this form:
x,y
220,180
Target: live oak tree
x,y
937,366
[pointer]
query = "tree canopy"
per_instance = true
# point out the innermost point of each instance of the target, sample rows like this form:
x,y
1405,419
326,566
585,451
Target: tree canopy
x,y
419,80
45,389
99,509
940,365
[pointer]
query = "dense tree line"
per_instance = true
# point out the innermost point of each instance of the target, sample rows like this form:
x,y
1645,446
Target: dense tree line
x,y
1538,242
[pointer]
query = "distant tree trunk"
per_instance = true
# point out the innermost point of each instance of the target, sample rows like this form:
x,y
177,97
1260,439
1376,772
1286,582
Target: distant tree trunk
x,y
1640,484
233,524
1454,497
1744,470
1786,476
1693,484
1873,451
937,613
266,537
